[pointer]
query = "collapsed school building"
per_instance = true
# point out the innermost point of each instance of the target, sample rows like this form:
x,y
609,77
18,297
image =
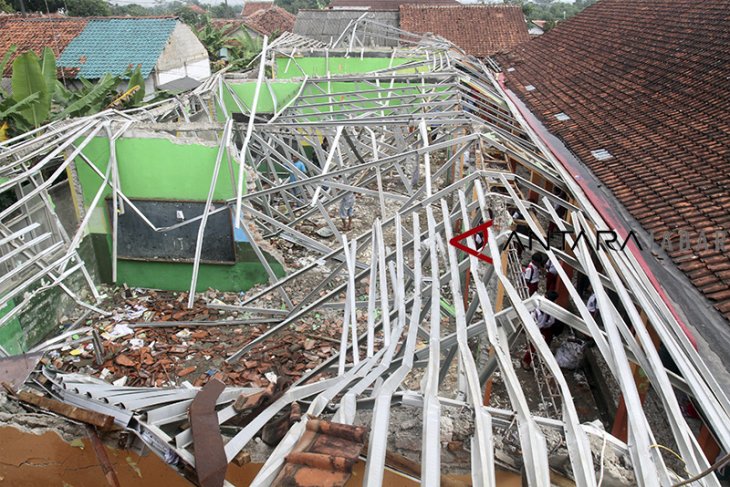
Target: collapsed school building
x,y
213,307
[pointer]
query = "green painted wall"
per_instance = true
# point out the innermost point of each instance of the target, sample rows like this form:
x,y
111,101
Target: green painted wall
x,y
12,337
159,168
287,90
283,91
317,66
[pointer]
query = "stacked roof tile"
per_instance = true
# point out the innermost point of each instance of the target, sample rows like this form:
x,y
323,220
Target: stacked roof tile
x,y
648,84
481,30
386,4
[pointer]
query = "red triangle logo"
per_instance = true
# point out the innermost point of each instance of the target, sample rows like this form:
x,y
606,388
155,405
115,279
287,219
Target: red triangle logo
x,y
456,241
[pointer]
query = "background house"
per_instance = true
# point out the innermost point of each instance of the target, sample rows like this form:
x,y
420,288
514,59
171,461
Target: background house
x,y
249,8
481,30
384,4
326,25
271,21
166,50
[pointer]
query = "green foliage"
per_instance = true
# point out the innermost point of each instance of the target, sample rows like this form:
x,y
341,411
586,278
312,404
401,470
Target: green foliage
x,y
3,63
137,80
132,10
38,5
550,11
242,49
212,38
294,6
224,11
92,101
48,68
28,79
36,89
6,7
189,16
88,8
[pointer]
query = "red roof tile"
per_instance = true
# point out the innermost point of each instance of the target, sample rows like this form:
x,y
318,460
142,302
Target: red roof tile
x,y
249,8
35,33
648,82
481,30
386,4
272,21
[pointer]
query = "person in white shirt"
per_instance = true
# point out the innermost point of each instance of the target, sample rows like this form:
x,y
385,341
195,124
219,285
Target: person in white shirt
x,y
531,273
592,304
546,324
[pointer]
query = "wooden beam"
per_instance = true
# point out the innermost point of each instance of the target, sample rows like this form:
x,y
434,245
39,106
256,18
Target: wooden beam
x,y
101,421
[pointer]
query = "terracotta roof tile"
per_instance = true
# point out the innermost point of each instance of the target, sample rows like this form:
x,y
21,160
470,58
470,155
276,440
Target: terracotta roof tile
x,y
35,33
481,30
648,82
249,8
386,4
272,21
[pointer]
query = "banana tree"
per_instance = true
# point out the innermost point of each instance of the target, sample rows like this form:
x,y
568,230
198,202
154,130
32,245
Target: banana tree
x,y
242,49
38,97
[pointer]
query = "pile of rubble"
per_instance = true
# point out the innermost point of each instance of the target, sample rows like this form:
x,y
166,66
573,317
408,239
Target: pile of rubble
x,y
152,339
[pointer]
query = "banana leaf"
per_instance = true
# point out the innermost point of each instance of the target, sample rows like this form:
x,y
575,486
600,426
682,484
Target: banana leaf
x,y
16,107
91,101
3,63
48,67
137,80
62,95
28,79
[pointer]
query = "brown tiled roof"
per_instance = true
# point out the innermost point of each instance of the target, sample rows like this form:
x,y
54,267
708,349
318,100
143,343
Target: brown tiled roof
x,y
273,20
250,7
481,30
35,33
649,82
386,4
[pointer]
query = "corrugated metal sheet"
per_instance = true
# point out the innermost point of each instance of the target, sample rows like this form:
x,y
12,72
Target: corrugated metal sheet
x,y
326,25
116,45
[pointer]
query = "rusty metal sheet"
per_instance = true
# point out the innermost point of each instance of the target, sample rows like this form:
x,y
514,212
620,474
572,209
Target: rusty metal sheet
x,y
210,456
16,369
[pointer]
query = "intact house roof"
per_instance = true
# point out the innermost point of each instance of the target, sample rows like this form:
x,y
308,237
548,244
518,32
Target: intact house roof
x,y
326,25
91,47
35,33
481,30
116,45
273,20
386,4
249,8
644,101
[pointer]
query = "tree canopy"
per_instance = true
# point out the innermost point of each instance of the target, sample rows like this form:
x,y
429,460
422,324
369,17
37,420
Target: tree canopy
x,y
88,8
550,11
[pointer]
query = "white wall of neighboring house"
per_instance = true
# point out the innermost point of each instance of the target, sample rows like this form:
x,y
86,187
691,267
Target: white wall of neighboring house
x,y
183,57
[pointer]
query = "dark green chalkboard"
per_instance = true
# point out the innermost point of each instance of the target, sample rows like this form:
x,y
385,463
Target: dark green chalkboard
x,y
137,241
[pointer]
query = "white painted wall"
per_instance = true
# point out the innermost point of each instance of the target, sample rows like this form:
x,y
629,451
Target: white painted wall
x,y
183,56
